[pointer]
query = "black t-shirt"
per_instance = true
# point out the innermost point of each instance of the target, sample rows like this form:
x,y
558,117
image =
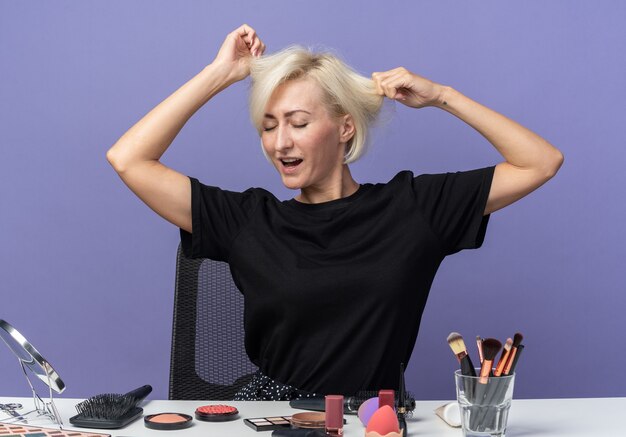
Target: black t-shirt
x,y
334,292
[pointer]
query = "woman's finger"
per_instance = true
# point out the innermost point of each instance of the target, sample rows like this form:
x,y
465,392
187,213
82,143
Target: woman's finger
x,y
378,78
381,75
391,84
250,37
254,43
396,82
387,91
256,47
246,33
399,81
247,41
244,29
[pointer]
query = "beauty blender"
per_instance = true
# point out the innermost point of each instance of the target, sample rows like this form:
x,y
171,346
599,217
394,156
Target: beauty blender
x,y
367,409
383,423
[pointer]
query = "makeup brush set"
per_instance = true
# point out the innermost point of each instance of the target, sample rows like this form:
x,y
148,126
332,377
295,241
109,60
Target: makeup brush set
x,y
487,351
492,384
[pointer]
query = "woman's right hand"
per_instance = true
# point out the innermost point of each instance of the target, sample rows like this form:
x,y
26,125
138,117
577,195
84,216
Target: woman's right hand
x,y
237,50
136,155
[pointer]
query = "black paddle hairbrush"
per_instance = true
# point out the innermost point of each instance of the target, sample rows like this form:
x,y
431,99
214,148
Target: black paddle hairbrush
x,y
110,411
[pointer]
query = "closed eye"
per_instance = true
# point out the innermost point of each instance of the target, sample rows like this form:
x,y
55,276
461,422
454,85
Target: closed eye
x,y
298,126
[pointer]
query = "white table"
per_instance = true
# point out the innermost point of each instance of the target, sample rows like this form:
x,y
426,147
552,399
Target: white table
x,y
537,418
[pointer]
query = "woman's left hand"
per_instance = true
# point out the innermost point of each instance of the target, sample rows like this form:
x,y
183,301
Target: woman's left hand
x,y
408,88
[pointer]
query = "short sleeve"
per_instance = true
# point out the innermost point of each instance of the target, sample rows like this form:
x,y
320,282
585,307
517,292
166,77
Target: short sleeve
x,y
454,204
217,218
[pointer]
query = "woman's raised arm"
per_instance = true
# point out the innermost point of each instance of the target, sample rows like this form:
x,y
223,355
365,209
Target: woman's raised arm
x,y
135,156
530,160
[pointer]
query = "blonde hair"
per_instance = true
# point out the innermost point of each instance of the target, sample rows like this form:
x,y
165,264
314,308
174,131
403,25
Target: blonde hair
x,y
345,91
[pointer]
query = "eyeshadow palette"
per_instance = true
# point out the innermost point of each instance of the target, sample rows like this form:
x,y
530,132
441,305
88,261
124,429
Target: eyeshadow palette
x,y
14,430
267,423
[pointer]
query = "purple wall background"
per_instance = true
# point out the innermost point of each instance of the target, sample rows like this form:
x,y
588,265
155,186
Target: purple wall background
x,y
87,270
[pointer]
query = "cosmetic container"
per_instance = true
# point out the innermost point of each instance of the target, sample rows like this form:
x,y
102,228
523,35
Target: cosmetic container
x,y
334,415
484,405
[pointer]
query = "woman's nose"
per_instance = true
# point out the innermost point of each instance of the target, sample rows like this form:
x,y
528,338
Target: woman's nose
x,y
283,139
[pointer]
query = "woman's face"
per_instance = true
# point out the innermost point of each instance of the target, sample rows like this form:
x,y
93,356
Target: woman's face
x,y
303,141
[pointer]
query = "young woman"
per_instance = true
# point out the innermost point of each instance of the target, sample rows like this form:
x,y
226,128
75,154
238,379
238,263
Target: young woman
x,y
336,279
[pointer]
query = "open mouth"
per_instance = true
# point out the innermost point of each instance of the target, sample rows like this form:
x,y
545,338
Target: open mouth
x,y
291,162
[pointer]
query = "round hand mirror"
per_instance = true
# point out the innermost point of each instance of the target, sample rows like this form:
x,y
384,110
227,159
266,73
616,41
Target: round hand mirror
x,y
30,357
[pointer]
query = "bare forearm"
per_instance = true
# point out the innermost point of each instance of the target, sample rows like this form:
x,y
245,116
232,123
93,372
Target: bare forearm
x,y
150,137
518,145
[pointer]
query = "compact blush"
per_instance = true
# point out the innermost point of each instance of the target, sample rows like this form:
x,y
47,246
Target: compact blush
x,y
216,413
268,423
167,421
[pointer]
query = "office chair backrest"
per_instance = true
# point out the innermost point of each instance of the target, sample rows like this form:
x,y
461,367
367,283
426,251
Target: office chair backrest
x,y
208,358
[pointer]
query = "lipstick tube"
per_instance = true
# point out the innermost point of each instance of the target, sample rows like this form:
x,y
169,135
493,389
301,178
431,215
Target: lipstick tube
x,y
334,415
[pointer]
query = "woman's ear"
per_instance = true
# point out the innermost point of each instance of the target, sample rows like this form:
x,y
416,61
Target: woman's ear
x,y
347,128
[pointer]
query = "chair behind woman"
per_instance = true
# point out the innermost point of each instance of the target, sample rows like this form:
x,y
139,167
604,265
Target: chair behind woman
x,y
208,358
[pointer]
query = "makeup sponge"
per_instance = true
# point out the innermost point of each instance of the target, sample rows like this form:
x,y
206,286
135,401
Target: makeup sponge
x,y
383,423
367,409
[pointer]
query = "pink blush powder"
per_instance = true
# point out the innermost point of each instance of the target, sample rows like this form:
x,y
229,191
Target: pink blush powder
x,y
168,421
167,418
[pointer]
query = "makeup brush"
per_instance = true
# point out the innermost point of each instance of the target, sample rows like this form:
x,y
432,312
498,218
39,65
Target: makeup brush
x,y
517,340
491,347
110,411
520,349
456,343
479,345
499,391
504,357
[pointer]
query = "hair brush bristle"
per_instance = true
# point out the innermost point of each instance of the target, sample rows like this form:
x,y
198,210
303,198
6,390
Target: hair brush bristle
x,y
491,347
107,406
517,339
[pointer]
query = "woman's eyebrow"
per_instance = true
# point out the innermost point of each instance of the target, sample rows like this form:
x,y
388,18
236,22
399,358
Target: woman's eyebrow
x,y
287,114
